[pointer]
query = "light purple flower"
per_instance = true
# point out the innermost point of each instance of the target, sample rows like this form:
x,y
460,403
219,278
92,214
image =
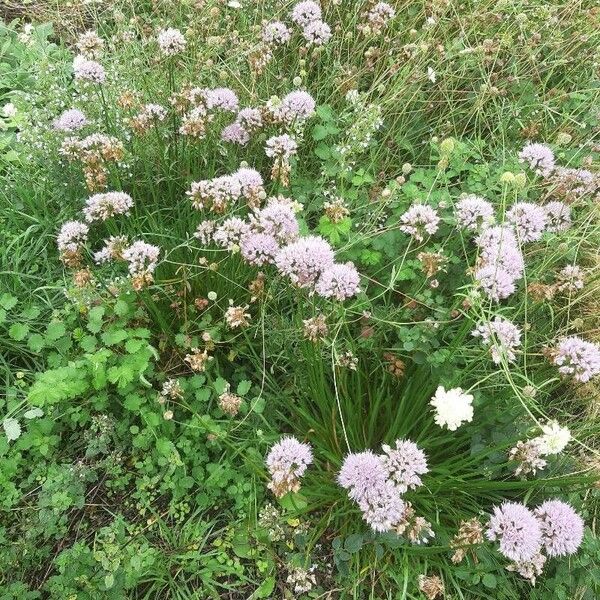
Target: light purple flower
x,y
529,220
562,527
404,464
217,193
287,462
223,99
306,12
419,220
496,282
501,336
577,358
250,119
339,281
171,41
72,236
278,220
499,248
304,260
276,33
381,506
517,530
360,472
88,70
230,232
281,147
258,248
317,33
297,106
251,182
235,134
100,207
473,212
539,158
142,257
558,215
70,120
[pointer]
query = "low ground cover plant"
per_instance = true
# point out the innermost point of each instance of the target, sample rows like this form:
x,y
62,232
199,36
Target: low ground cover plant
x,y
299,301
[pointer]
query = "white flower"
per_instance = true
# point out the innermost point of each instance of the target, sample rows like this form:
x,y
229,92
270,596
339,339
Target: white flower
x,y
555,438
431,75
452,407
9,110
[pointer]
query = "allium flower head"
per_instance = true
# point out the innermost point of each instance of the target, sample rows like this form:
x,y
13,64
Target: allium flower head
x,y
496,282
72,236
297,106
90,44
501,336
276,33
379,15
88,70
306,12
281,147
516,529
360,472
235,134
498,247
250,119
339,281
473,212
278,220
577,358
562,527
452,407
317,33
171,41
287,462
217,193
100,207
529,220
70,120
539,158
558,216
381,506
142,257
251,182
223,99
404,464
258,248
419,220
304,260
570,279
230,232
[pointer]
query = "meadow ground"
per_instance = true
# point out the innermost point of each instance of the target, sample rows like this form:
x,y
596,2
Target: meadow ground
x,y
299,300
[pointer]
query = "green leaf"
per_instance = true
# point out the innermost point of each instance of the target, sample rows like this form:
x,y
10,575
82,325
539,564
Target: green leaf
x,y
133,345
95,319
55,330
243,387
489,581
265,589
12,429
35,342
320,132
34,413
18,331
132,402
114,336
121,308
7,301
353,543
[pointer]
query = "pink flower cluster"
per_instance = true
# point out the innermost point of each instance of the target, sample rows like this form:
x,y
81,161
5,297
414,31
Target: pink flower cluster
x,y
501,262
529,220
501,336
72,236
88,70
141,257
308,15
577,358
539,158
474,212
376,482
420,220
287,462
70,120
100,207
522,534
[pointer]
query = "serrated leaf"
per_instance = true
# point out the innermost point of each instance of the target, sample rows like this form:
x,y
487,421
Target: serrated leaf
x,y
12,429
243,387
7,301
18,331
132,346
55,330
35,342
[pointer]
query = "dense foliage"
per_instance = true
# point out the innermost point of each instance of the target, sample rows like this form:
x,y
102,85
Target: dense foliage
x,y
299,300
